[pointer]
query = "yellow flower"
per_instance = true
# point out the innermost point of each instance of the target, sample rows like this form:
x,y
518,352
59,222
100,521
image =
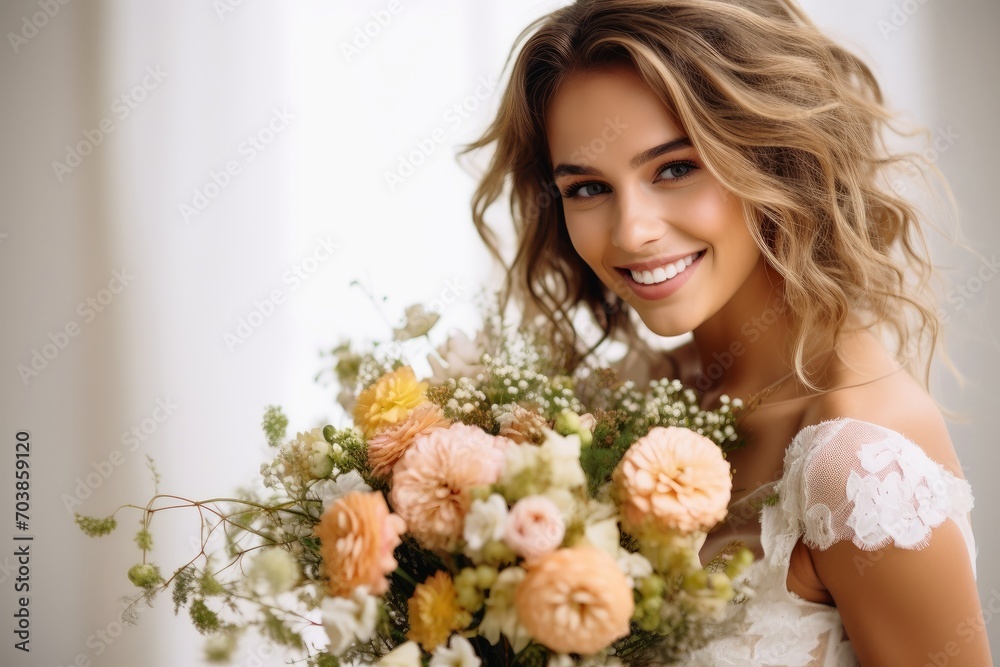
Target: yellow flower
x,y
435,612
389,401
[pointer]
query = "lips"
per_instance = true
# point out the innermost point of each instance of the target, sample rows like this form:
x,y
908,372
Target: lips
x,y
666,271
659,279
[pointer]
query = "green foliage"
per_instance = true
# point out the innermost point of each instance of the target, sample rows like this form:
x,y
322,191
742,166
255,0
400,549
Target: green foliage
x,y
323,660
205,620
208,585
275,425
278,631
144,540
96,527
184,584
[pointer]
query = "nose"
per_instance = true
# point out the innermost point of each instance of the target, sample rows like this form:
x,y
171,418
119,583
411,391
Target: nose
x,y
638,222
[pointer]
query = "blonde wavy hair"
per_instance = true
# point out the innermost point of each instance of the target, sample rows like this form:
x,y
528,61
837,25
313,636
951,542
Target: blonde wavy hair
x,y
786,119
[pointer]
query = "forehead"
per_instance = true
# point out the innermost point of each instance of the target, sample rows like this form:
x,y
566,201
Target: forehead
x,y
605,115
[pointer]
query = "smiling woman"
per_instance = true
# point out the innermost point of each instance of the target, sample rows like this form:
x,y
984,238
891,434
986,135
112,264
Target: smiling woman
x,y
746,181
654,220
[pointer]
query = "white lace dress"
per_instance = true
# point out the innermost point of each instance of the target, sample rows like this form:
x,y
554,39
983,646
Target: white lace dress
x,y
843,479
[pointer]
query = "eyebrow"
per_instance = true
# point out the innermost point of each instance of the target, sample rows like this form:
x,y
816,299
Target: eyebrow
x,y
642,158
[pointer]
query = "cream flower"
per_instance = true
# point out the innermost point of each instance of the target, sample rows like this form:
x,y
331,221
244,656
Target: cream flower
x,y
521,425
406,654
419,321
462,358
458,653
306,457
575,600
386,448
330,491
562,455
534,527
588,422
431,484
273,571
389,401
672,479
349,620
501,614
357,538
485,522
555,464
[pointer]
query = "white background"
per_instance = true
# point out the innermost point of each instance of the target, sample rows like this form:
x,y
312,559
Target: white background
x,y
355,118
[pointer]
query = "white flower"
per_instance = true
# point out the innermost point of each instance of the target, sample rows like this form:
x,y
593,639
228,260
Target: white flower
x,y
565,500
485,522
331,490
458,653
562,455
501,615
310,453
634,565
349,620
519,459
462,358
274,571
604,535
406,654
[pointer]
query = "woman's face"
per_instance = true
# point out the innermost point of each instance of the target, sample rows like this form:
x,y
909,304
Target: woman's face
x,y
641,208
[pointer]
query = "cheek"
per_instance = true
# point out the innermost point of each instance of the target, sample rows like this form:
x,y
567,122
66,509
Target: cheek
x,y
587,241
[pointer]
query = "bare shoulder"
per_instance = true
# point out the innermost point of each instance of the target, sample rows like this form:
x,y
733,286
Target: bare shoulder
x,y
868,390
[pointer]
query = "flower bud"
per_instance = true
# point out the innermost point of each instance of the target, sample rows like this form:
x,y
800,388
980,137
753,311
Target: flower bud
x,y
567,423
144,575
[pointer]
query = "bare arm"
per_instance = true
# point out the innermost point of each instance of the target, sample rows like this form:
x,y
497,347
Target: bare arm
x,y
908,607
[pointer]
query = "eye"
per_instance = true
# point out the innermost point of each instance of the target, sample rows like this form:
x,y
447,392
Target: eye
x,y
584,190
675,171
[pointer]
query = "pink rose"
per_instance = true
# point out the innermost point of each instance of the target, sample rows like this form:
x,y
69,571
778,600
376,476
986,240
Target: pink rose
x,y
534,527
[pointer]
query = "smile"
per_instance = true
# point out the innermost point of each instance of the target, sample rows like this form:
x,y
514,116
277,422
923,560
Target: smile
x,y
664,273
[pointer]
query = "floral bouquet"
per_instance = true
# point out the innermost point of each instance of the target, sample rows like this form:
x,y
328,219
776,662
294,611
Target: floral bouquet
x,y
497,513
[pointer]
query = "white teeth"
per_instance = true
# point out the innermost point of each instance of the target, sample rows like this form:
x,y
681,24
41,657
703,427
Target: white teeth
x,y
662,273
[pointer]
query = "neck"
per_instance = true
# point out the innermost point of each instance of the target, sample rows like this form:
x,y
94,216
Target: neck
x,y
748,344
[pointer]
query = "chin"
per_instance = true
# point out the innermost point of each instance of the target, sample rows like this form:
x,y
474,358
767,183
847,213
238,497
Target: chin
x,y
663,324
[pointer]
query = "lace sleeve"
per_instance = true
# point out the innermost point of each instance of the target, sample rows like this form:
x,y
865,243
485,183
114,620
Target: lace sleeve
x,y
855,480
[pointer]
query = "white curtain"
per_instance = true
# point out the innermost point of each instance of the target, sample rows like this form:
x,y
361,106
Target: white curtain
x,y
189,190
